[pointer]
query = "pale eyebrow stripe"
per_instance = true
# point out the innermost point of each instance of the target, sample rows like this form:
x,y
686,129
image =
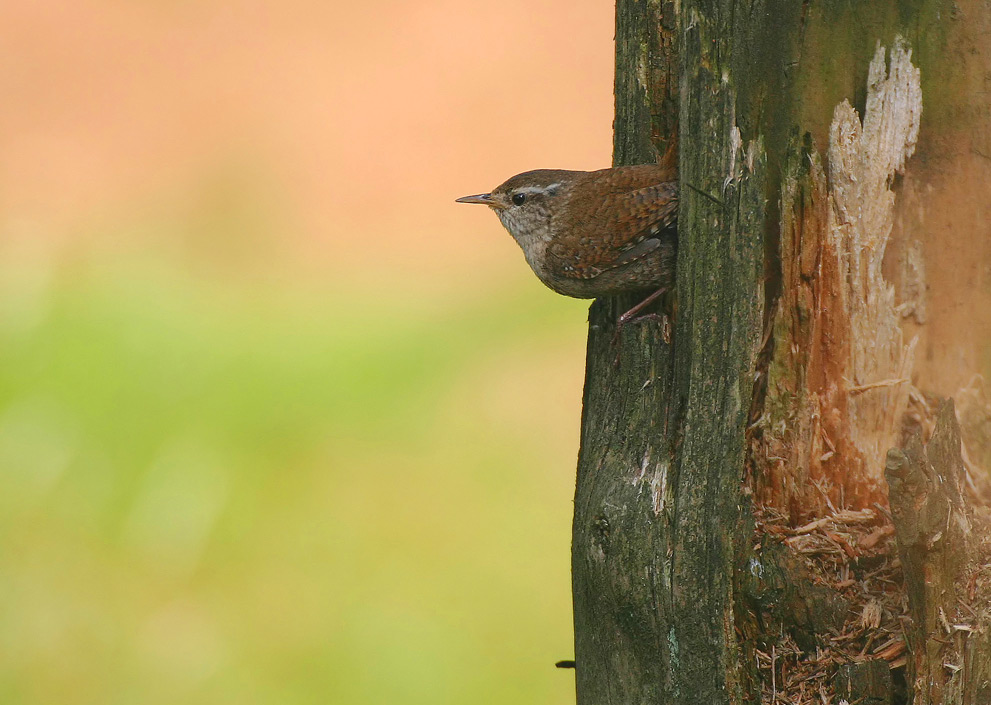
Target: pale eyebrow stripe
x,y
537,189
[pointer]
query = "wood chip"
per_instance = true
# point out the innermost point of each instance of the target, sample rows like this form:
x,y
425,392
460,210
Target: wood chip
x,y
891,650
871,540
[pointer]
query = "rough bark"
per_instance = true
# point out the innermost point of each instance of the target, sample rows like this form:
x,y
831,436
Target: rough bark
x,y
658,494
733,540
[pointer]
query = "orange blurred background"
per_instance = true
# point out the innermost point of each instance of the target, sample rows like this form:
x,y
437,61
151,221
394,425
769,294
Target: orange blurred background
x,y
280,422
346,130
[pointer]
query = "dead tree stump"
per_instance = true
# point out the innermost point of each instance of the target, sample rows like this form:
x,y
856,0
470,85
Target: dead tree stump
x,y
742,533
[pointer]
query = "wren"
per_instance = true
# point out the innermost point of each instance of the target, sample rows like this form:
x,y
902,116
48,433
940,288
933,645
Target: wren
x,y
594,233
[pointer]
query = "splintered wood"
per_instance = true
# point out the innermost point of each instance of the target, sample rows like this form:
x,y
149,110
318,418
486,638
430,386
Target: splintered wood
x,y
862,161
839,379
909,592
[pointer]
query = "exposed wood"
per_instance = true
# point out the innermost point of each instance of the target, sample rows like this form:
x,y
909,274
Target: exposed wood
x,y
840,374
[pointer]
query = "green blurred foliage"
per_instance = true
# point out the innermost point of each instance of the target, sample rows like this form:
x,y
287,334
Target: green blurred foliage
x,y
224,491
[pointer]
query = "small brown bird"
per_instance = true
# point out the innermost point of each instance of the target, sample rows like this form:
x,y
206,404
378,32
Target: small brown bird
x,y
593,233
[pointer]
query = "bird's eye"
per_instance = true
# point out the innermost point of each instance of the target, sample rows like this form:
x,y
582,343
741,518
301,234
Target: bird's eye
x,y
519,199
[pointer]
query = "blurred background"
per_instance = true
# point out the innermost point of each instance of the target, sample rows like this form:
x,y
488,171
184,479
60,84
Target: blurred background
x,y
280,422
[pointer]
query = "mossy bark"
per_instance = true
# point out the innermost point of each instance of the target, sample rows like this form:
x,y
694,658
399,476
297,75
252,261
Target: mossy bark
x,y
731,510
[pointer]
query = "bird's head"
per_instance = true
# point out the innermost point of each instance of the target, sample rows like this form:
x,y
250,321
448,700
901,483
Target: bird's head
x,y
527,202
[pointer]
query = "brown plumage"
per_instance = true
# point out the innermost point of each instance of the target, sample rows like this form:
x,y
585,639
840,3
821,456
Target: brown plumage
x,y
593,233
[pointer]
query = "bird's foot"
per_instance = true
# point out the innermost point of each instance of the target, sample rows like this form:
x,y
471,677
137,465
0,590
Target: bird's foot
x,y
634,316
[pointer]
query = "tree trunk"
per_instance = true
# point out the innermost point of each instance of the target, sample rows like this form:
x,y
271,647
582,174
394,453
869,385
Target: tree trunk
x,y
776,506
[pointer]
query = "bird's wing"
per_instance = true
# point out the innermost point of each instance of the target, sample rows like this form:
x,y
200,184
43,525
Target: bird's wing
x,y
623,226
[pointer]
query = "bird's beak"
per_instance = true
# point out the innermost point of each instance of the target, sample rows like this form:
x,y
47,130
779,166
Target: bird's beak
x,y
484,198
